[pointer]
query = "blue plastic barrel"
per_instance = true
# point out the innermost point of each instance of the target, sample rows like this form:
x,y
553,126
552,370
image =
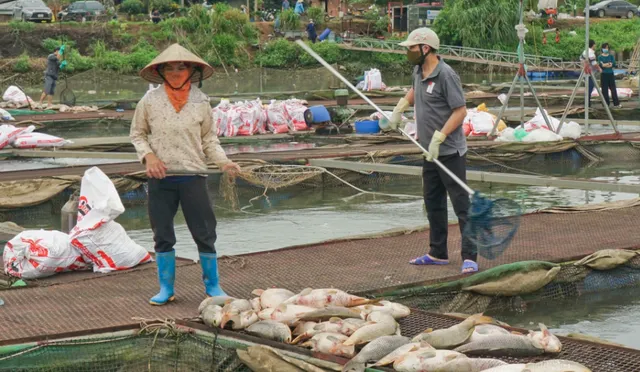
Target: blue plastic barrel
x,y
367,126
319,114
324,34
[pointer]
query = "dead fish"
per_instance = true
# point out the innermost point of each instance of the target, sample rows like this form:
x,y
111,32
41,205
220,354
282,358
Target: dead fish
x,y
381,317
507,368
303,327
320,298
255,304
607,259
271,330
402,350
374,351
549,342
503,345
307,367
212,315
465,316
261,360
337,325
215,300
428,360
370,332
287,314
454,335
555,365
332,312
486,330
396,310
234,307
331,343
479,364
241,321
272,297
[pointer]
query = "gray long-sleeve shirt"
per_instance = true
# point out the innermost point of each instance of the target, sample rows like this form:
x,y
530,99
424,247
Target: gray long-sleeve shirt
x,y
53,66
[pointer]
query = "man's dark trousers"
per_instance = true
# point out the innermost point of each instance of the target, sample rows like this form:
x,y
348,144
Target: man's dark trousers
x,y
436,185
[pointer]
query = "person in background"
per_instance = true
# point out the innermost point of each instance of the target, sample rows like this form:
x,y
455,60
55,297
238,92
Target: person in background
x,y
155,16
590,55
440,108
299,9
607,62
51,75
285,5
173,130
311,31
243,9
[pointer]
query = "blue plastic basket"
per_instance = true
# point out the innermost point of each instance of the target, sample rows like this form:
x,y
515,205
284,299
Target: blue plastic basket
x,y
367,126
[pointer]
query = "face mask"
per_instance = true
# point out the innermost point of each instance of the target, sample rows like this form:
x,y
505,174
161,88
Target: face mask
x,y
605,51
177,79
416,57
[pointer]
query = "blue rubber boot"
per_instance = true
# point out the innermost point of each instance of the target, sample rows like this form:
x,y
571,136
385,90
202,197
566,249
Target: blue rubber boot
x,y
166,276
209,264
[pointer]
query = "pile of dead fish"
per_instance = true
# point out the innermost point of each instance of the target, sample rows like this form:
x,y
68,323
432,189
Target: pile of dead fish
x,y
366,331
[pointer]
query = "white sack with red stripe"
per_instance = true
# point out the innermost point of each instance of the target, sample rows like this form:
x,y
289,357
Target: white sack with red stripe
x,y
34,254
100,240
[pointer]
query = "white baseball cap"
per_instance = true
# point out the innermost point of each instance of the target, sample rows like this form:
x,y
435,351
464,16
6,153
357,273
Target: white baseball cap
x,y
422,35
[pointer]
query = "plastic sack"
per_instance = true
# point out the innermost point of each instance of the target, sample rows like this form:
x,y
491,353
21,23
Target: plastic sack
x,y
13,94
9,134
38,140
622,93
276,118
221,117
6,116
99,239
34,254
480,123
507,135
541,135
295,114
372,80
109,248
537,122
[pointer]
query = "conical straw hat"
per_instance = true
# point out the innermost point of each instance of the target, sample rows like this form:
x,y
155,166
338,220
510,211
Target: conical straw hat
x,y
175,53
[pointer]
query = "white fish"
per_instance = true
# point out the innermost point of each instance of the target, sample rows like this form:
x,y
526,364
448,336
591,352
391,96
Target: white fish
x,y
271,330
396,310
373,351
255,304
320,298
303,327
402,350
507,368
428,360
331,343
287,314
215,300
486,330
212,315
549,342
242,320
370,332
555,365
381,317
272,297
234,307
454,335
336,325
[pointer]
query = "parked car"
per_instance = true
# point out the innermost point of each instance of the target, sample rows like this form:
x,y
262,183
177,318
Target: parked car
x,y
613,8
81,9
32,10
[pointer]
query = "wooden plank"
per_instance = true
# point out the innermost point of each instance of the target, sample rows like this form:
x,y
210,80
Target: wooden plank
x,y
491,177
75,154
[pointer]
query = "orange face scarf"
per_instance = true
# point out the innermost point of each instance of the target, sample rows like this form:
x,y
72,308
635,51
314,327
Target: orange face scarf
x,y
178,97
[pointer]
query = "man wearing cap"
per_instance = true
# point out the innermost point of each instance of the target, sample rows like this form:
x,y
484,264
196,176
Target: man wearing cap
x,y
440,108
173,130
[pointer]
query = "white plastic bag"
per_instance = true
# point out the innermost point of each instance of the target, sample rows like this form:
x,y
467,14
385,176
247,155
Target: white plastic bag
x,y
507,135
38,140
109,248
36,254
276,118
99,201
295,114
14,95
571,130
100,240
372,80
541,135
622,93
6,116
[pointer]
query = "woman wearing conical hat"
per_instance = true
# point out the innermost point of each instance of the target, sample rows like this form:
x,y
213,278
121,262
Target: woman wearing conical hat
x,y
172,129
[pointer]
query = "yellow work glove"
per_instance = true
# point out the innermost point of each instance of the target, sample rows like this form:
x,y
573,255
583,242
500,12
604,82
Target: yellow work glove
x,y
434,147
396,115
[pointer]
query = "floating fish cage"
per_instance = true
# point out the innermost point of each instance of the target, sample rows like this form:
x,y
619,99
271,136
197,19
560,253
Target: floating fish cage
x,y
516,286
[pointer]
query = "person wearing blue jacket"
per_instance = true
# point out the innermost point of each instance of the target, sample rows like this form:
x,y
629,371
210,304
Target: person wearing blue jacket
x,y
299,9
311,31
607,79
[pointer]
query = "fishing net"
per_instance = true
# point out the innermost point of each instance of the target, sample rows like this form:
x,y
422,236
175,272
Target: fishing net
x,y
163,347
67,97
492,224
